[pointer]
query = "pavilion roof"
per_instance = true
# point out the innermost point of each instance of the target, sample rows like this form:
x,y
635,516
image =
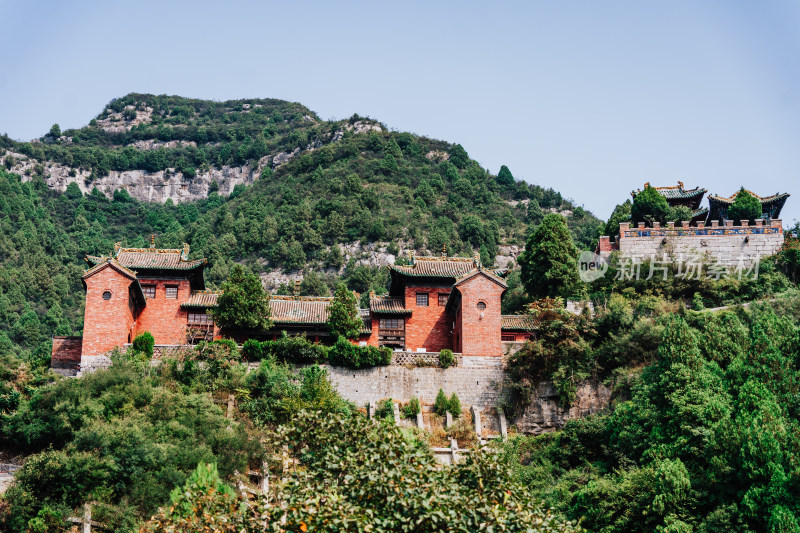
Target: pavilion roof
x,y
728,200
675,192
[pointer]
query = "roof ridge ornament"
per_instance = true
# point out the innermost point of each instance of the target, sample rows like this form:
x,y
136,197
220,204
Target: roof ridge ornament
x,y
152,241
117,246
185,252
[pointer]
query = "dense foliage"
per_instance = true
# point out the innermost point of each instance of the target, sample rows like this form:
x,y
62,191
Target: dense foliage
x,y
358,475
744,207
343,317
345,353
243,303
549,263
707,442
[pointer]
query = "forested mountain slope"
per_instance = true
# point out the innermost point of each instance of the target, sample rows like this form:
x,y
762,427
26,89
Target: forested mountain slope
x,y
318,188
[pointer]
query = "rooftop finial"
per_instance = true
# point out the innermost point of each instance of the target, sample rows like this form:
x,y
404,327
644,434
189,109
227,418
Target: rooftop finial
x,y
117,246
296,289
153,240
444,250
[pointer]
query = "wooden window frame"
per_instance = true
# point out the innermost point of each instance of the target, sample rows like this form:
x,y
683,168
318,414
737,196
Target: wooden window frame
x,y
443,296
426,297
151,289
167,290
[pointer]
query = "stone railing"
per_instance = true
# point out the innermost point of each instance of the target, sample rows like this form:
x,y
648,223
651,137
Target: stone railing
x,y
419,358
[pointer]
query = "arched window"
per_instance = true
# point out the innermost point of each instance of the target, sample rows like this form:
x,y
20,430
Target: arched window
x,y
481,306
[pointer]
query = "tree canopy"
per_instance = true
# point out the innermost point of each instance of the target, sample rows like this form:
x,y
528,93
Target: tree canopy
x,y
649,206
243,303
744,207
549,262
343,317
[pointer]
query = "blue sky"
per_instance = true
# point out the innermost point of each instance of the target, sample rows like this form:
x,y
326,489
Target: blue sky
x,y
590,98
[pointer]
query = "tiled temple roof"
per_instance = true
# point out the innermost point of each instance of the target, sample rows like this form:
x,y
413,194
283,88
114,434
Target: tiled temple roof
x,y
202,299
515,322
114,264
491,274
763,199
388,306
299,309
151,258
674,192
437,267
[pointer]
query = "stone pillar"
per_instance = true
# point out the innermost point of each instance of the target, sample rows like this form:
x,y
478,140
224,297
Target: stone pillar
x,y
715,223
670,225
476,420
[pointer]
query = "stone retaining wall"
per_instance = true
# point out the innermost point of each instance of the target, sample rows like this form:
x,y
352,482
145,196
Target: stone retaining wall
x,y
723,244
475,382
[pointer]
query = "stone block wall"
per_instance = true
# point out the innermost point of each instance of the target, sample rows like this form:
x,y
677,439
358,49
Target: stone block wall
x,y
475,382
724,244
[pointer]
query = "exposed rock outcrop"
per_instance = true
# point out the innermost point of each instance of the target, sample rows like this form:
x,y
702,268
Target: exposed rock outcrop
x,y
144,186
545,414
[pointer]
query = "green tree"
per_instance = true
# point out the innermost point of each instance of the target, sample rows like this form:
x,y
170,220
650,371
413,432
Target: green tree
x,y
649,206
549,262
458,156
243,303
504,177
621,213
55,131
744,207
343,317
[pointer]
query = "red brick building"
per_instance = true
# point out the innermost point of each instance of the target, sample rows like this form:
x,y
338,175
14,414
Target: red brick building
x,y
434,303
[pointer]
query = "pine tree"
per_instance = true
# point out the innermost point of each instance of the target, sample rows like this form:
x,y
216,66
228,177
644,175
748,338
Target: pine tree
x,y
504,177
343,317
549,262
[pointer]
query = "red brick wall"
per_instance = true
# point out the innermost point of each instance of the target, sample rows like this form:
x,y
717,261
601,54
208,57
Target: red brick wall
x,y
66,352
372,340
518,336
106,323
164,318
480,336
428,327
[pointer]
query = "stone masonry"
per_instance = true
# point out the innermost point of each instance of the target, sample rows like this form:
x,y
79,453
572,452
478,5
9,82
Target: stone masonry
x,y
727,245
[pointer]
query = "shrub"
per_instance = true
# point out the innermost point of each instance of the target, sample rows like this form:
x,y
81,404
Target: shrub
x,y
252,350
412,408
442,404
385,409
297,350
143,344
454,406
344,353
446,358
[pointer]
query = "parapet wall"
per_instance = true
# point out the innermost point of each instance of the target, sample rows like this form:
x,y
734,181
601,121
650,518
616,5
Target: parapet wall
x,y
725,244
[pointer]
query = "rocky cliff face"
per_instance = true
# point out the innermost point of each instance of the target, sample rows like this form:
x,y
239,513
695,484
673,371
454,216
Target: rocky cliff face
x,y
545,414
144,186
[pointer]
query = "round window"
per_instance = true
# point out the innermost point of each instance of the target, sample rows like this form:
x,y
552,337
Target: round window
x,y
481,305
107,295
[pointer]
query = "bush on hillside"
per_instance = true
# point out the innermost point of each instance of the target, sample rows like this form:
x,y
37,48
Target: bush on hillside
x,y
442,404
454,405
412,408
